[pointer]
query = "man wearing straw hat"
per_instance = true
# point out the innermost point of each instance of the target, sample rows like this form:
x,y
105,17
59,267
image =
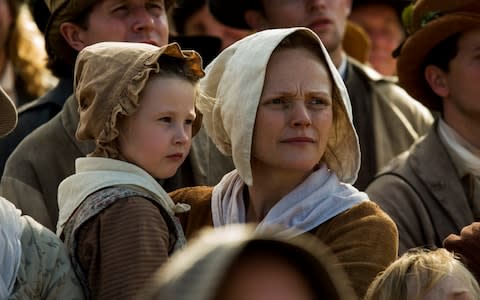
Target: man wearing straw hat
x,y
387,120
433,189
47,156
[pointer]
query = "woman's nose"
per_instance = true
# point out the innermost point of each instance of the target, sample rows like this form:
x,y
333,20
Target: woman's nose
x,y
300,115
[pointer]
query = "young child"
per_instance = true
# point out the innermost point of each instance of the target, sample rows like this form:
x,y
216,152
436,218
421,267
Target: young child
x,y
137,101
424,274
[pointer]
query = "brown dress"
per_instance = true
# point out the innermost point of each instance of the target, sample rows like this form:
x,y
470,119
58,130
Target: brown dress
x,y
364,238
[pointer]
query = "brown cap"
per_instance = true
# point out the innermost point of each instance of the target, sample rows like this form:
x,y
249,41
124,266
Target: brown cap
x,y
429,23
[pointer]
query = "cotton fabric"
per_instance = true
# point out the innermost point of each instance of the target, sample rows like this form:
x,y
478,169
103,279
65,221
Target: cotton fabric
x,y
316,200
231,92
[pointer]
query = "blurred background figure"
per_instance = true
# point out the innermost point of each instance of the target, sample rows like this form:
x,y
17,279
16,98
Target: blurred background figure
x,y
193,18
234,263
381,19
424,274
23,72
356,42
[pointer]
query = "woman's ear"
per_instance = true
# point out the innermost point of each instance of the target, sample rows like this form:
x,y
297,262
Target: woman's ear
x,y
437,79
72,33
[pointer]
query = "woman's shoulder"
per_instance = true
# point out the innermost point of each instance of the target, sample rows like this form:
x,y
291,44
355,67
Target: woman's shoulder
x,y
366,213
200,213
366,209
194,196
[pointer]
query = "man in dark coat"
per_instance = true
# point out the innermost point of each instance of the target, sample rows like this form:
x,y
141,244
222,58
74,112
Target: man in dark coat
x,y
433,189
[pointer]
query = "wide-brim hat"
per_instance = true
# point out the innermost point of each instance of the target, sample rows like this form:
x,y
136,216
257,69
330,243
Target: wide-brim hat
x,y
62,11
8,114
199,271
430,23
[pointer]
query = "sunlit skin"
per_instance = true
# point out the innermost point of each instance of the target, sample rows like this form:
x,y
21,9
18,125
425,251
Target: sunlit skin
x,y
383,26
5,25
452,287
157,137
202,22
143,21
262,277
459,88
325,17
292,127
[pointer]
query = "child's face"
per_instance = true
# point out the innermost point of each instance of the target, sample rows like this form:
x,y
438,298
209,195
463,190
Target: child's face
x,y
452,287
157,137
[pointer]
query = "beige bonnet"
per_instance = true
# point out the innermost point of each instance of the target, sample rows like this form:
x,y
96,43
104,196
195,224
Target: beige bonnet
x,y
231,92
109,77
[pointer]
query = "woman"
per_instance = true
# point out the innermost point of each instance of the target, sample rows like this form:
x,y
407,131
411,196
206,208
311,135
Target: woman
x,y
275,102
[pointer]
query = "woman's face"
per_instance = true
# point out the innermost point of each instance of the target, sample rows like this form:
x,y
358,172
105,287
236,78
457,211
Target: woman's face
x,y
295,113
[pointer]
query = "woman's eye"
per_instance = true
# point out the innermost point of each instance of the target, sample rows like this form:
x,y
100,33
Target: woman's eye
x,y
319,101
278,101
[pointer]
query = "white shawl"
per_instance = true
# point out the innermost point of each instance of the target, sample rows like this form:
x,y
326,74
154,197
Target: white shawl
x,y
316,200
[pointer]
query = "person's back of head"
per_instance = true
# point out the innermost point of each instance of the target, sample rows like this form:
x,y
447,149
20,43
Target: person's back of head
x,y
424,274
193,18
222,262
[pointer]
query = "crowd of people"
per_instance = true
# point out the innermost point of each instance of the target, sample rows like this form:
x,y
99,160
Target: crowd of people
x,y
263,149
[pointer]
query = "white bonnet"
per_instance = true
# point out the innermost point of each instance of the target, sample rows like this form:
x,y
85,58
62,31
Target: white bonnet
x,y
231,92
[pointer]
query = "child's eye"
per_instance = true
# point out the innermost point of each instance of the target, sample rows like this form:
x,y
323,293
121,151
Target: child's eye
x,y
189,122
166,119
120,8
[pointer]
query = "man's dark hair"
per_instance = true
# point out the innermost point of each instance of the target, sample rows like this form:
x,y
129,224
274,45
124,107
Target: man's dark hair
x,y
441,56
63,65
443,53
